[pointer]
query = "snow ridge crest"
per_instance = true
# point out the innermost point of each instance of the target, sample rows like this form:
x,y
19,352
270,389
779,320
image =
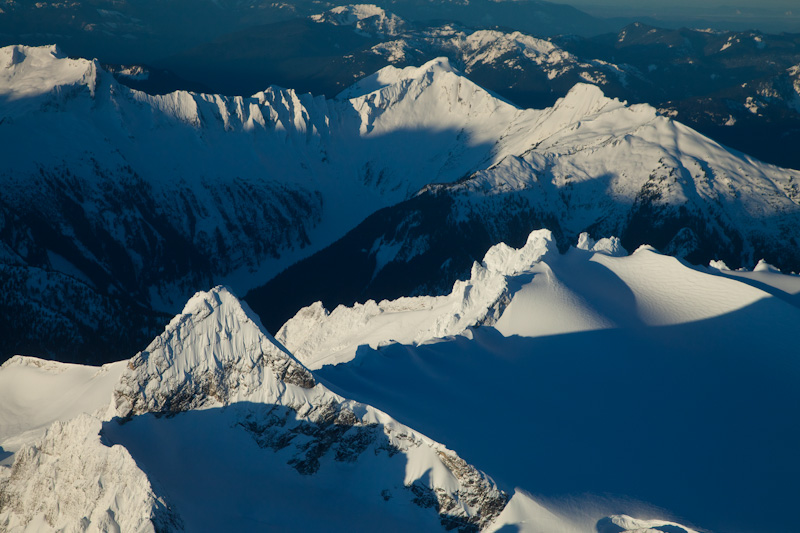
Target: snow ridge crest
x,y
318,337
71,481
213,353
366,18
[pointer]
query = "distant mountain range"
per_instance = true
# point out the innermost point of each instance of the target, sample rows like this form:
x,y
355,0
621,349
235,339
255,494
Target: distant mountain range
x,y
737,87
117,205
740,88
145,30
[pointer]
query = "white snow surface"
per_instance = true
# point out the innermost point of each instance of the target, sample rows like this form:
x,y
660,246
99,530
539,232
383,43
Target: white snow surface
x,y
237,400
533,291
27,72
35,393
367,18
219,168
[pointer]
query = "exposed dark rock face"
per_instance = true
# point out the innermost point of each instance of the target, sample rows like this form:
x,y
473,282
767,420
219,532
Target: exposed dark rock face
x,y
82,267
453,227
213,353
333,430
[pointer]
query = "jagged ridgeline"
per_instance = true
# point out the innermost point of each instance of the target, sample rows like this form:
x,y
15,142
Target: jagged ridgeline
x,y
118,205
232,391
218,425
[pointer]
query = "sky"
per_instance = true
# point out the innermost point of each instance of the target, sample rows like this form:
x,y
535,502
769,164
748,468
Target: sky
x,y
770,16
638,4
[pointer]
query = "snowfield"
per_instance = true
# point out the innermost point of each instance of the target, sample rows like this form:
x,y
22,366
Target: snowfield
x,y
138,200
35,393
554,388
591,406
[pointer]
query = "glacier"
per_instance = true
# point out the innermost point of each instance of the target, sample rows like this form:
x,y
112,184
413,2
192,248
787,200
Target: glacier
x,y
134,201
597,399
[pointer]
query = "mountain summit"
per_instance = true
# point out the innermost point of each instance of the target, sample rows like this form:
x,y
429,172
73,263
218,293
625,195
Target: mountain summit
x,y
138,200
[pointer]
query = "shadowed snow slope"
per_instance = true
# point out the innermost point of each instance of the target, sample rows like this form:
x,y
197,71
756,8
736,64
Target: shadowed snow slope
x,y
533,291
143,199
629,375
278,443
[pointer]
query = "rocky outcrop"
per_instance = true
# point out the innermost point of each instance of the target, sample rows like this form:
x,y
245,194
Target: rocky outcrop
x,y
71,481
211,354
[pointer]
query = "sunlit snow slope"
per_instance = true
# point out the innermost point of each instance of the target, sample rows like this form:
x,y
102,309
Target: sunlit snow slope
x,y
35,393
132,201
244,417
215,426
601,373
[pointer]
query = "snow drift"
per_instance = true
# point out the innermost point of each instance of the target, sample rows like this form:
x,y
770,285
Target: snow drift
x,y
137,200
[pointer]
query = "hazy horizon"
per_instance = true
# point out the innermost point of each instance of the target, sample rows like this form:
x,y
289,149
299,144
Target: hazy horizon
x,y
689,4
769,16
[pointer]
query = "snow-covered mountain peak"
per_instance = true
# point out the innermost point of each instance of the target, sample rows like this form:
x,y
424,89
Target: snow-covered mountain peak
x,y
318,337
367,18
212,353
391,75
586,100
435,99
527,43
29,71
508,261
488,46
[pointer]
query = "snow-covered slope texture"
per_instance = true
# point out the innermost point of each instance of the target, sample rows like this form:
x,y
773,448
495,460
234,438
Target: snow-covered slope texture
x,y
34,393
589,163
367,18
526,69
245,418
599,372
144,198
147,197
72,479
215,351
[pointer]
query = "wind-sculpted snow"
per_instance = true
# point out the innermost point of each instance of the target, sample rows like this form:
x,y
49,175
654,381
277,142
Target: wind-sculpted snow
x,y
144,199
622,523
318,337
531,291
